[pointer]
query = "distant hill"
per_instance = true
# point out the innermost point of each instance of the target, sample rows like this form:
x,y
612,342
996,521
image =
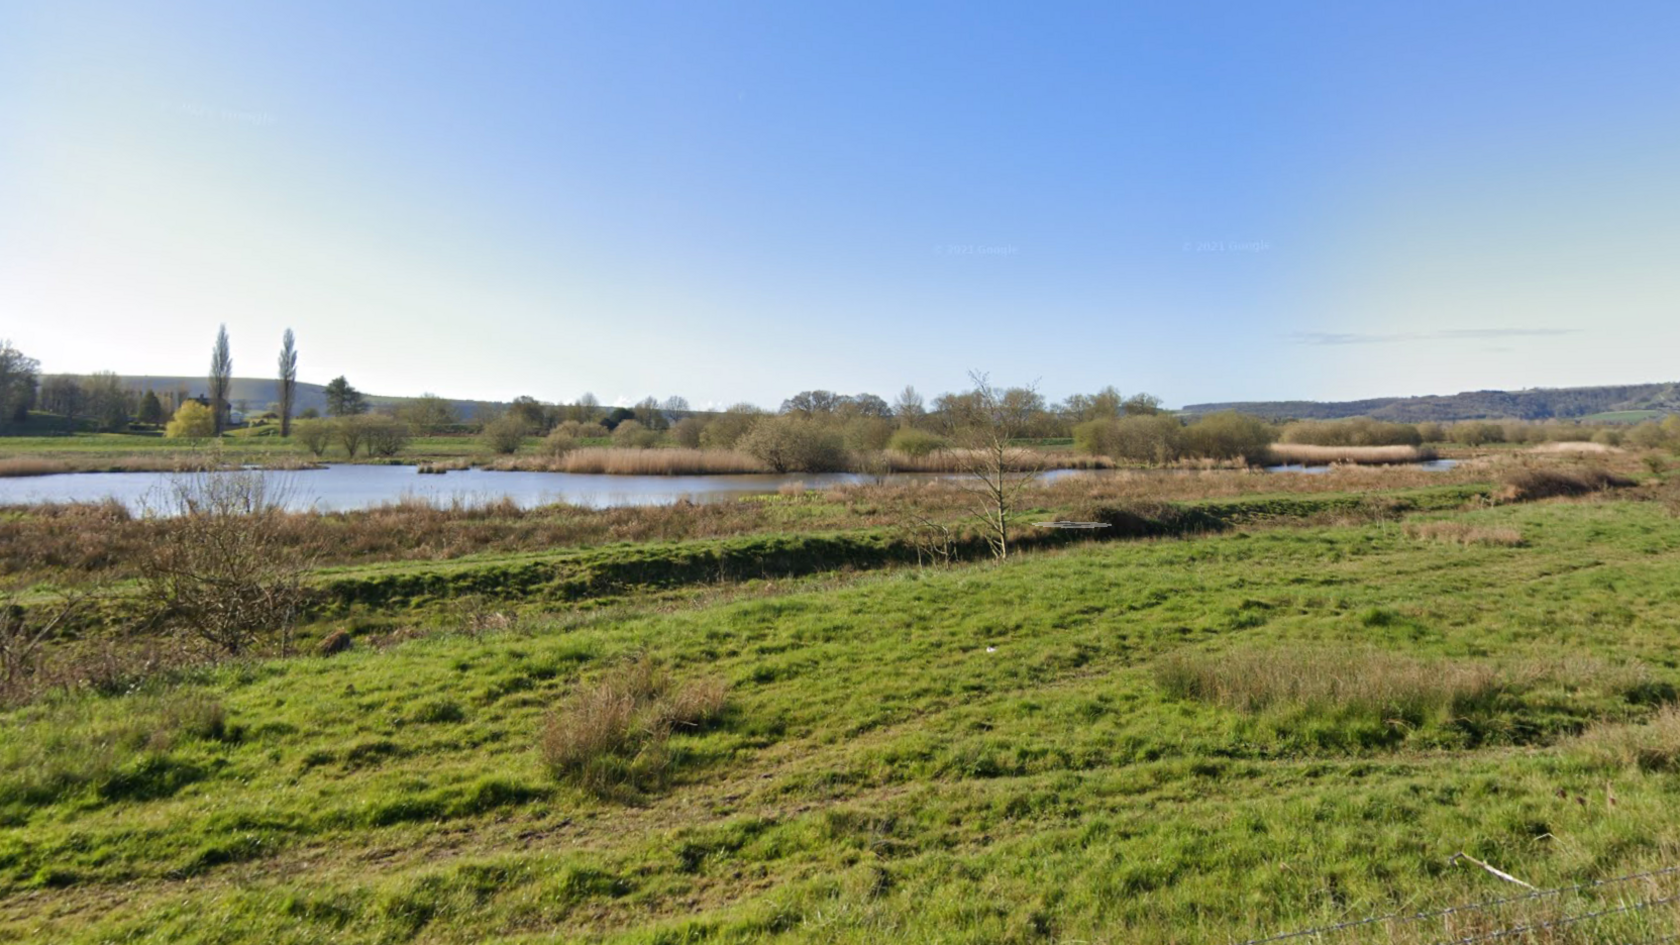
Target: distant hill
x,y
1563,403
259,392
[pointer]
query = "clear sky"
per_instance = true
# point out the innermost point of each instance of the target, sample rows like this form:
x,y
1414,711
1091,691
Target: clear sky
x,y
737,201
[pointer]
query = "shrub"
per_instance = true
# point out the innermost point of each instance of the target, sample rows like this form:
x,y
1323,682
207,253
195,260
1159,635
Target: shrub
x,y
1479,433
726,429
866,434
505,434
1530,483
560,441
1149,439
916,443
384,436
794,444
220,567
314,434
1358,431
632,434
1229,436
612,735
193,421
687,432
334,643
1649,435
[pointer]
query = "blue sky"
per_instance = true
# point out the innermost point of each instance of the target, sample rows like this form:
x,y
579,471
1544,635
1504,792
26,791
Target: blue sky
x,y
737,201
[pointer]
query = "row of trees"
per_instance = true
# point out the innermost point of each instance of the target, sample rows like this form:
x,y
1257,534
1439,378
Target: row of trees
x,y
19,375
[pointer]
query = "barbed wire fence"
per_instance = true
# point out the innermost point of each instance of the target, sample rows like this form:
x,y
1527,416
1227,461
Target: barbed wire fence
x,y
1622,910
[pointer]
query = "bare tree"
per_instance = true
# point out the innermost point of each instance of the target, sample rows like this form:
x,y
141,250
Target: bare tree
x,y
222,570
221,379
288,382
996,472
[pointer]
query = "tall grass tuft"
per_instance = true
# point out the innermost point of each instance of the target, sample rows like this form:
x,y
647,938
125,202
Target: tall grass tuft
x,y
1359,681
1651,746
1464,533
610,737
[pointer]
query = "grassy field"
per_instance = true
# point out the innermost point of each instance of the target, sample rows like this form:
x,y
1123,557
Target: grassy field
x,y
1176,740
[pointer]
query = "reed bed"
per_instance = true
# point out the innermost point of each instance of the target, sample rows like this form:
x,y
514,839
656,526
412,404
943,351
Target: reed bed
x,y
1573,446
962,461
640,462
32,466
1307,454
165,462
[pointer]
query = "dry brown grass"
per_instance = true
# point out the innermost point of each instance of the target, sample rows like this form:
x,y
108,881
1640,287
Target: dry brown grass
x,y
1464,533
961,461
1650,746
1355,679
1528,483
1573,446
32,466
611,735
640,462
1309,455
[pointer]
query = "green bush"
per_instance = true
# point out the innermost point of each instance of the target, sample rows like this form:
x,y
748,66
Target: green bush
x,y
1476,433
559,441
794,444
726,429
631,434
1150,439
193,421
504,434
1228,436
918,443
314,434
866,434
1359,431
687,432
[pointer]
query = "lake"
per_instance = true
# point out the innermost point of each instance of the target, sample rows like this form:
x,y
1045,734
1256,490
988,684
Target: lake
x,y
343,487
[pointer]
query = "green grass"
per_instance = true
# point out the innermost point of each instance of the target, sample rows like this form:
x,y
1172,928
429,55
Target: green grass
x,y
1624,416
977,754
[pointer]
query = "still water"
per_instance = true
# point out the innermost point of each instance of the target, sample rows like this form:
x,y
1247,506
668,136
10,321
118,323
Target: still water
x,y
345,487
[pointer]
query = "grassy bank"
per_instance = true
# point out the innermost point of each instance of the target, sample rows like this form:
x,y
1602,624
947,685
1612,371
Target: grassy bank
x,y
1127,741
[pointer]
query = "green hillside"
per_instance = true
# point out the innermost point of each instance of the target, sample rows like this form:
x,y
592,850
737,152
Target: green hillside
x,y
1564,403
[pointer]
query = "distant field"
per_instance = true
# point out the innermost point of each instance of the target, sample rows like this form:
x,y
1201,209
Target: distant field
x,y
1625,416
1197,740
